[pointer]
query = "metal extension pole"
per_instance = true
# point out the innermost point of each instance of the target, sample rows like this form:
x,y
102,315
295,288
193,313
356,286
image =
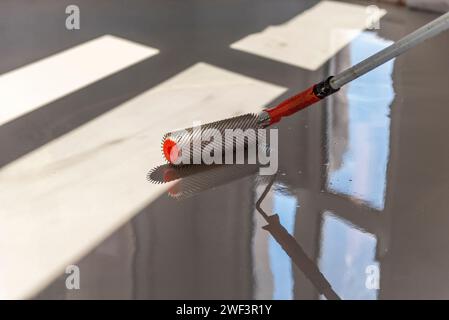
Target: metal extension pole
x,y
428,31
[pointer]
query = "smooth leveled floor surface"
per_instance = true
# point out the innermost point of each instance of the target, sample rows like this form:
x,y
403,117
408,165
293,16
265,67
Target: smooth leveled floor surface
x,y
362,185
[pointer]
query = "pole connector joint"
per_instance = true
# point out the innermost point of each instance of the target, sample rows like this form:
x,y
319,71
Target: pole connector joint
x,y
324,88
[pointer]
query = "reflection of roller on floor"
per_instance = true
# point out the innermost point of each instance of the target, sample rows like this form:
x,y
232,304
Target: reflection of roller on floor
x,y
194,179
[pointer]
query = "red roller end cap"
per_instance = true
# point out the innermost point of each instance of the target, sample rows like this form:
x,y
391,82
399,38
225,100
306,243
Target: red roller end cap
x,y
171,151
170,174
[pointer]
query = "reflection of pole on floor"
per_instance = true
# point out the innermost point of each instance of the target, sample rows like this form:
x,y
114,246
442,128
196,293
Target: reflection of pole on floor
x,y
299,257
295,251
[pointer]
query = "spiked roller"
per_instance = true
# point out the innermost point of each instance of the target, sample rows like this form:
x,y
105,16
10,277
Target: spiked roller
x,y
194,140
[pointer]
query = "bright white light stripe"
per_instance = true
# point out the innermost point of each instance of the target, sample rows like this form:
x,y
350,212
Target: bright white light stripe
x,y
27,88
61,200
312,37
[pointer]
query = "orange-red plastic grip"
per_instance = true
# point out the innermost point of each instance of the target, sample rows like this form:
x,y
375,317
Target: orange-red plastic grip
x,y
293,104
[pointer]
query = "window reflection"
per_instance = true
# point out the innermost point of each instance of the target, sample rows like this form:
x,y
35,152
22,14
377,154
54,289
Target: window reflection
x,y
345,255
359,126
280,262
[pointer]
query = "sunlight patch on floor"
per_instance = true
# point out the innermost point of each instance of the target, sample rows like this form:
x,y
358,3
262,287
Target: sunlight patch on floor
x,y
310,39
32,86
62,199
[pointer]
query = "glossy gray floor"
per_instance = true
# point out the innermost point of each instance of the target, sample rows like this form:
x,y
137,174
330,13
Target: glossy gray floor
x,y
363,177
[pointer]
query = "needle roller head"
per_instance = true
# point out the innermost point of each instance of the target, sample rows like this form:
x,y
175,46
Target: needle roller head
x,y
193,141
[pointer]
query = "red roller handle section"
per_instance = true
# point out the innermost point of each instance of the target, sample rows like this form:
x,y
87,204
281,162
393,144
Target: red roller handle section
x,y
293,104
